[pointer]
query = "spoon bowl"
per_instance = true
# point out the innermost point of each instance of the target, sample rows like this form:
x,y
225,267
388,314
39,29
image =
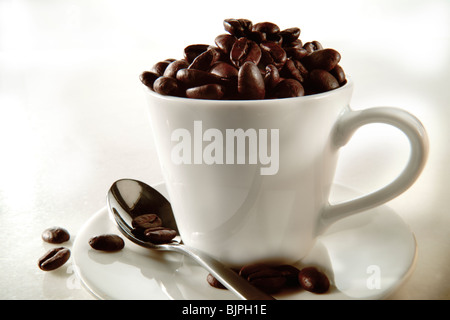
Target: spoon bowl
x,y
129,198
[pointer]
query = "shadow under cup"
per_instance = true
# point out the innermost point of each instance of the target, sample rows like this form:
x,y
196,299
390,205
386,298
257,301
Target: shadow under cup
x,y
249,180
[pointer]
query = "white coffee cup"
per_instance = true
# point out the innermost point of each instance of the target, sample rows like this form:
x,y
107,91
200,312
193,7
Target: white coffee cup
x,y
250,180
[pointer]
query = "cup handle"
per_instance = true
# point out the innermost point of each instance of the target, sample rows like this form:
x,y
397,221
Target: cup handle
x,y
347,124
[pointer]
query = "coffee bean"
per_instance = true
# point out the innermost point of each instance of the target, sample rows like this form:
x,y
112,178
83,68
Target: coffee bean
x,y
159,235
192,51
148,78
160,67
322,81
237,27
288,88
244,50
290,273
205,60
213,282
310,47
146,221
54,259
295,53
225,42
207,91
55,235
250,82
290,34
263,277
271,78
325,59
313,280
195,78
268,28
107,242
173,67
339,74
224,70
274,54
295,70
167,86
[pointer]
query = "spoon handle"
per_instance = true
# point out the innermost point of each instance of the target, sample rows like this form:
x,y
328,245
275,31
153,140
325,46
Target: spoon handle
x,y
230,279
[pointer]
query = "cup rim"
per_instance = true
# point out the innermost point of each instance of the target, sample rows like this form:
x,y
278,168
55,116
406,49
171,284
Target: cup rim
x,y
316,96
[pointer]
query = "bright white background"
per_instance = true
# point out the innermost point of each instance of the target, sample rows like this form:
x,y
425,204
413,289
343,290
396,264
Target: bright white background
x,y
73,118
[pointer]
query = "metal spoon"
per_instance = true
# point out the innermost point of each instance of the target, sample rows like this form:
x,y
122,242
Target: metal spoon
x,y
129,198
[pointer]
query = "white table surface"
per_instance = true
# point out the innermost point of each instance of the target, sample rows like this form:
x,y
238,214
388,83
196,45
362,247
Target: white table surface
x,y
73,118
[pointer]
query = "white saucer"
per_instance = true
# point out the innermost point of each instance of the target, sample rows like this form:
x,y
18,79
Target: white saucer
x,y
366,256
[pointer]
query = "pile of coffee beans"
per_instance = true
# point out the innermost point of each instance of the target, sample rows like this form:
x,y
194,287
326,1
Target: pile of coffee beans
x,y
251,61
273,279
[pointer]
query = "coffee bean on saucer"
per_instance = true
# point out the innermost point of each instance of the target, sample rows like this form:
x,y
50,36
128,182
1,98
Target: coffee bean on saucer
x,y
313,280
55,235
107,242
263,277
54,259
290,273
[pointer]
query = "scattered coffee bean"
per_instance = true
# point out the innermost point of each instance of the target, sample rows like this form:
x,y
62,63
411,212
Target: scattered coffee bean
x,y
55,235
313,280
54,259
203,67
146,221
107,242
159,235
290,273
263,277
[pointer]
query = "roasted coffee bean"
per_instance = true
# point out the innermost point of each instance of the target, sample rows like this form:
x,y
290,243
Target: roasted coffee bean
x,y
274,54
224,70
313,46
322,80
205,60
148,78
213,282
107,242
195,78
290,34
237,27
263,277
313,280
266,27
250,82
174,66
207,91
167,86
339,74
192,51
294,69
225,42
55,235
54,259
288,88
295,53
160,67
290,273
159,235
271,77
244,50
146,221
325,59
